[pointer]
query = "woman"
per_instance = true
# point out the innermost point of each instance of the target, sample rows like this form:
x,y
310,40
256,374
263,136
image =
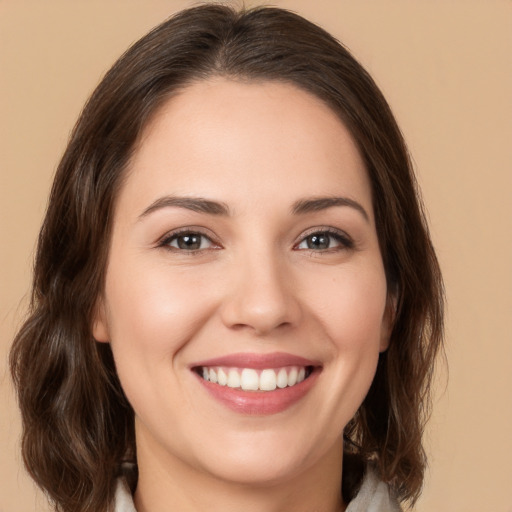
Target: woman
x,y
236,302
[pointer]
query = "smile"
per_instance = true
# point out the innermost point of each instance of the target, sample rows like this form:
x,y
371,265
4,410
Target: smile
x,y
250,379
258,384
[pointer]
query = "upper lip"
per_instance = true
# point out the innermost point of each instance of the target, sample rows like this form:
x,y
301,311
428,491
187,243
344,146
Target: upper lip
x,y
257,361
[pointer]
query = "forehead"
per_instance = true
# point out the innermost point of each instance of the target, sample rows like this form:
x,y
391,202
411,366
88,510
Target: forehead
x,y
225,138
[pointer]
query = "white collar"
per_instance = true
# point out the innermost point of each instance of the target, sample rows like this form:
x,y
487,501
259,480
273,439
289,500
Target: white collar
x,y
124,500
372,497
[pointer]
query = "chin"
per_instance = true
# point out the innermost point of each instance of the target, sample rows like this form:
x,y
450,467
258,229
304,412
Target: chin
x,y
266,459
255,471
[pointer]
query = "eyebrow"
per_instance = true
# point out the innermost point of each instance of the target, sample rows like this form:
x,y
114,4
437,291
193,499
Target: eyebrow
x,y
316,204
196,204
202,205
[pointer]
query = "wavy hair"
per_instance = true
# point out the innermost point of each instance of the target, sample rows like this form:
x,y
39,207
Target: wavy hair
x,y
78,427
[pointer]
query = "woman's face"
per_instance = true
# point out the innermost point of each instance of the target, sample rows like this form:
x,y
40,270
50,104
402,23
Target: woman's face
x,y
244,250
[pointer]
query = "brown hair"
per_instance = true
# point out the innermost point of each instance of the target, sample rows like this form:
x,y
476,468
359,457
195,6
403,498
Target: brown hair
x,y
78,425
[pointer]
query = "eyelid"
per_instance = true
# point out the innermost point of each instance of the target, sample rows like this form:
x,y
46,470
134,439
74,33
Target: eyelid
x,y
343,237
164,240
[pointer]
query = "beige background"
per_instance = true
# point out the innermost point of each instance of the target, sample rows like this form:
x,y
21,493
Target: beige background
x,y
444,66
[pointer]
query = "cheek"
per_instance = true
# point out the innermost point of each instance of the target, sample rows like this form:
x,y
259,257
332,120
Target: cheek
x,y
351,307
351,313
155,311
152,316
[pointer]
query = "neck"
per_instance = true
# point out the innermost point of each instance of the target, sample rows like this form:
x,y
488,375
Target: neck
x,y
167,483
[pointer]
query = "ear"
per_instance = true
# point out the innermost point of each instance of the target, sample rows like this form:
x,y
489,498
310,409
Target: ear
x,y
388,321
99,322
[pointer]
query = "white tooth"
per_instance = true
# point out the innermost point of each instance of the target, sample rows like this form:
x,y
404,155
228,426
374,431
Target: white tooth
x,y
301,375
206,375
268,380
222,378
292,376
233,379
282,378
213,375
249,379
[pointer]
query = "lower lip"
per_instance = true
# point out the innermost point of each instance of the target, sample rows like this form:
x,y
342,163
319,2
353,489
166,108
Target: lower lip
x,y
260,402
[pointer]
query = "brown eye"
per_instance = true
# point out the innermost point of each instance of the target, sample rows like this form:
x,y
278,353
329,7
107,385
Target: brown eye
x,y
188,241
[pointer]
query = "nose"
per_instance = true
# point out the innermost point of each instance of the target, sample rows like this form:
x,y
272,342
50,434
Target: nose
x,y
261,296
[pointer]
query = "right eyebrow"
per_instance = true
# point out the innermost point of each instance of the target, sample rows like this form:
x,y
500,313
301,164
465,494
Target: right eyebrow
x,y
196,204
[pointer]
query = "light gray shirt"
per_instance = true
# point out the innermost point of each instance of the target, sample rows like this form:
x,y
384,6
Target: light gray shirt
x,y
373,496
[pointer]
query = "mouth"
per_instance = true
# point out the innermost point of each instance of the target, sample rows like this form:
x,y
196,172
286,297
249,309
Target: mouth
x,y
258,384
252,379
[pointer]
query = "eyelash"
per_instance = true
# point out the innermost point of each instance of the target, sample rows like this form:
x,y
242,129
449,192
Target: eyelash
x,y
345,242
176,235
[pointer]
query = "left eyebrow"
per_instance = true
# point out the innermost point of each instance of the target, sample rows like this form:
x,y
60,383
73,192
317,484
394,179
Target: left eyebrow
x,y
316,204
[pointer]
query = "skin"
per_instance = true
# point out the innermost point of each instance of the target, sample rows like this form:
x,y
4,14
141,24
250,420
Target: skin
x,y
253,286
